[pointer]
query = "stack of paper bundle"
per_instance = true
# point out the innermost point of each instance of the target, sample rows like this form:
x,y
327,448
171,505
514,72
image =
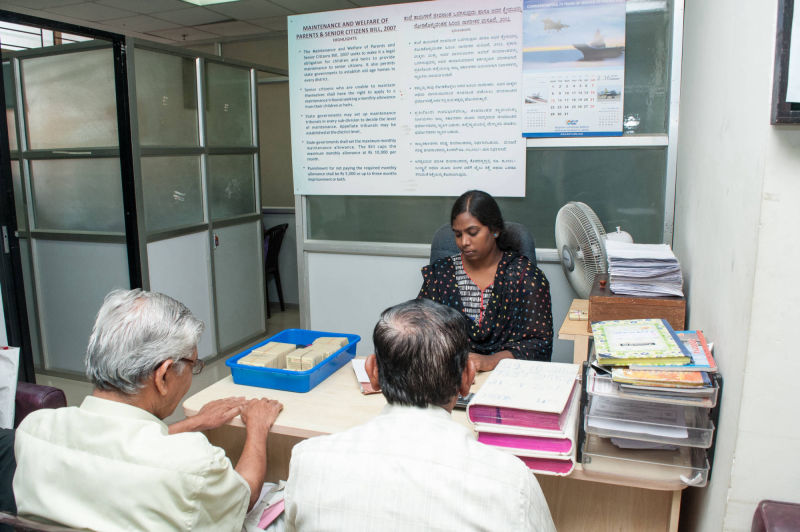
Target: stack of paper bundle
x,y
530,409
294,357
270,355
644,270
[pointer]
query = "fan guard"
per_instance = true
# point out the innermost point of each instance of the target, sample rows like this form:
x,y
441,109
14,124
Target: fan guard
x,y
580,239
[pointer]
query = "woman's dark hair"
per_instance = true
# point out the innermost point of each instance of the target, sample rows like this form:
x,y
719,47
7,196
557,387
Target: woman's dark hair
x,y
483,207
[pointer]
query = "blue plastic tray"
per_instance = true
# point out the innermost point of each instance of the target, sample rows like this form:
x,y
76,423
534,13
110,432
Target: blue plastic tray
x,y
293,381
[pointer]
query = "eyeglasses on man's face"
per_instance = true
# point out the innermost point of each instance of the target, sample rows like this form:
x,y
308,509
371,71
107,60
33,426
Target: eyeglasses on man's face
x,y
197,364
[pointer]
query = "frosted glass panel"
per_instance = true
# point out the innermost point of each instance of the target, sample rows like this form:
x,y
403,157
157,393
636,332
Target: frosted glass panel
x,y
647,66
77,195
19,196
228,113
11,106
172,192
84,80
166,97
231,184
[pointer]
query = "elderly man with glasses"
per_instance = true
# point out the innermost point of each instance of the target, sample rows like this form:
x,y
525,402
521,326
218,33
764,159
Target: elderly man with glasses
x,y
112,463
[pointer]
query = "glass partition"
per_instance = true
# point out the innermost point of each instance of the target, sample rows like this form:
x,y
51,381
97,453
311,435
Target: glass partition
x,y
648,32
173,192
624,187
77,195
624,184
166,96
85,79
231,184
11,105
229,106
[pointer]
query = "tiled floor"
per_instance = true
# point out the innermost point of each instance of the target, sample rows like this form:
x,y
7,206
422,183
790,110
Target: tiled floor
x,y
76,390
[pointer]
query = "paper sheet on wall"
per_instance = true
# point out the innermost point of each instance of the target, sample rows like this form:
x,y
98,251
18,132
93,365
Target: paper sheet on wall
x,y
9,362
573,67
408,99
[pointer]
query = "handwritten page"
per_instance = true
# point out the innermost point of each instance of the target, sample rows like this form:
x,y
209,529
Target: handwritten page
x,y
529,385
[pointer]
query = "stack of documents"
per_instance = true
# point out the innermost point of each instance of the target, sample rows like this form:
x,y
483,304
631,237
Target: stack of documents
x,y
643,270
661,363
649,341
530,409
293,357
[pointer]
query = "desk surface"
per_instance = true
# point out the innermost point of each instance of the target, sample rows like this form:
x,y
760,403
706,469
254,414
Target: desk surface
x,y
577,502
336,404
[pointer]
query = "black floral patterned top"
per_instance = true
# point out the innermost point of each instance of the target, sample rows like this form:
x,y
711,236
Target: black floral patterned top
x,y
517,317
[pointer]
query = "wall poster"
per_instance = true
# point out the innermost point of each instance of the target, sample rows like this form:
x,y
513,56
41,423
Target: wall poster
x,y
408,99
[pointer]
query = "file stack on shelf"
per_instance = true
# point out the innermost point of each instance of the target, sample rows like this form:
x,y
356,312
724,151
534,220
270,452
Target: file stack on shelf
x,y
644,415
644,270
650,341
530,409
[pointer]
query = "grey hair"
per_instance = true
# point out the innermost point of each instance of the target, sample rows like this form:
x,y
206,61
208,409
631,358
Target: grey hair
x,y
421,348
135,331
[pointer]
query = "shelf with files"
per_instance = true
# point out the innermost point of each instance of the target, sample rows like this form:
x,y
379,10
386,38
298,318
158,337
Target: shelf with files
x,y
675,425
665,440
659,468
601,385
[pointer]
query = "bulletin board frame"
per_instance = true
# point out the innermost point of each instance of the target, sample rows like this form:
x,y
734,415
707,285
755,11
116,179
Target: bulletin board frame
x,y
783,112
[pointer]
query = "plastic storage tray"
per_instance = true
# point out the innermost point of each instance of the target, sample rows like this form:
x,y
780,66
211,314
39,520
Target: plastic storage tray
x,y
293,381
668,470
603,386
696,430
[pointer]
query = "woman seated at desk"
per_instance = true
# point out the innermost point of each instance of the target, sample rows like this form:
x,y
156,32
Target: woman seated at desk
x,y
505,297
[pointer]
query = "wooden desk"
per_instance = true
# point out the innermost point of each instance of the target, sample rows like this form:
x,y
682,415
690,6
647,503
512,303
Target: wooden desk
x,y
577,502
578,331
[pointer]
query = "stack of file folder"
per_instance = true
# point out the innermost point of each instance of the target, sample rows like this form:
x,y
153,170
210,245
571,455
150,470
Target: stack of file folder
x,y
650,400
530,409
643,270
648,358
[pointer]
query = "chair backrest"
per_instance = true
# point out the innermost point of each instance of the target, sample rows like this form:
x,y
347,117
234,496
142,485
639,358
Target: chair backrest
x,y
27,525
32,397
444,244
273,238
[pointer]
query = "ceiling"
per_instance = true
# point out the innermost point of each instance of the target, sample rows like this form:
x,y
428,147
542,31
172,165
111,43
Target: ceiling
x,y
177,22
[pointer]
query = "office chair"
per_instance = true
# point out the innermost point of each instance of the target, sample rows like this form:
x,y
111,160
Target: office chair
x,y
273,238
29,397
9,521
444,244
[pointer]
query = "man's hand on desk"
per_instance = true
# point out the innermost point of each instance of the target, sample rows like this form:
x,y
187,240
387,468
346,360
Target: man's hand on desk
x,y
260,414
213,414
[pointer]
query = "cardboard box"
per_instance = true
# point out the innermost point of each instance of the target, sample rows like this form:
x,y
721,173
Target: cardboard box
x,y
605,305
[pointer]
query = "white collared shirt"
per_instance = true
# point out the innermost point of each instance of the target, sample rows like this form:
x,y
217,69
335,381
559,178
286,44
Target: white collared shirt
x,y
410,469
112,466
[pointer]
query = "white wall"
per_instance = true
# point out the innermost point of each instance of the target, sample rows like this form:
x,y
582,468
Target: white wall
x,y
738,186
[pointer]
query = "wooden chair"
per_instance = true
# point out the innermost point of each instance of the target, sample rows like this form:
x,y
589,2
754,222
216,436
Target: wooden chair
x,y
273,238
